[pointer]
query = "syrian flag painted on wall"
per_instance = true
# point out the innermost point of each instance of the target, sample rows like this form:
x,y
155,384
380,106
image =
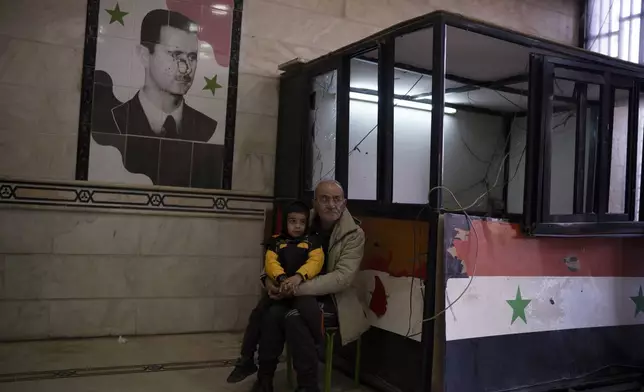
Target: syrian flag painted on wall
x,y
525,311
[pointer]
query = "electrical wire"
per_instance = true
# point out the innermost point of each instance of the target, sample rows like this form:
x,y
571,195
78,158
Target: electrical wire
x,y
580,377
473,274
413,270
563,123
610,7
461,208
355,148
510,101
472,227
469,283
469,149
471,224
506,156
484,180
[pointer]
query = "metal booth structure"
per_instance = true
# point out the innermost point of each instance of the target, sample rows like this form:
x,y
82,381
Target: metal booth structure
x,y
442,115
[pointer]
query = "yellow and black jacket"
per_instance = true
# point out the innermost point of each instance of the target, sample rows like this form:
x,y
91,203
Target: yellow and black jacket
x,y
286,256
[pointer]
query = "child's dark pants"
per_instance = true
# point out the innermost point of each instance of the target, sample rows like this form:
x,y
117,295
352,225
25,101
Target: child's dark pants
x,y
307,307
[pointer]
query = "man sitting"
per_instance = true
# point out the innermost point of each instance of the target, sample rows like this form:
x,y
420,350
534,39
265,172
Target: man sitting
x,y
343,244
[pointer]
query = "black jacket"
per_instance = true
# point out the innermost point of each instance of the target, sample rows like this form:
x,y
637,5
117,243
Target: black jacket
x,y
129,118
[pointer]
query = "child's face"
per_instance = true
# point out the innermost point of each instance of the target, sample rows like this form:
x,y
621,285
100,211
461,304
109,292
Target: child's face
x,y
296,224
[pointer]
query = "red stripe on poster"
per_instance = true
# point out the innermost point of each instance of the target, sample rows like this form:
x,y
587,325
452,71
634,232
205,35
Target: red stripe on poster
x,y
504,251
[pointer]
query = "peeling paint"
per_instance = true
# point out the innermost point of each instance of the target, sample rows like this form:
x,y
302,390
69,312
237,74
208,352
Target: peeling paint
x,y
572,262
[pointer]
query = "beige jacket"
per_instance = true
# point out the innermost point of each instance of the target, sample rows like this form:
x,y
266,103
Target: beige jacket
x,y
346,247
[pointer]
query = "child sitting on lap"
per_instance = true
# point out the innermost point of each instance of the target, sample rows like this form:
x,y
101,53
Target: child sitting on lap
x,y
291,258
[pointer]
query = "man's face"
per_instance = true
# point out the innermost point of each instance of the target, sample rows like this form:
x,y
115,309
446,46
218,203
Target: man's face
x,y
173,64
329,202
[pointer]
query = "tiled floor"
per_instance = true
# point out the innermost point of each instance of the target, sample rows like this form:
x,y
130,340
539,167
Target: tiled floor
x,y
190,363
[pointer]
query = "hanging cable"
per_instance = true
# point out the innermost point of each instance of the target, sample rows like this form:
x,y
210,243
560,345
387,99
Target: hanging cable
x,y
355,148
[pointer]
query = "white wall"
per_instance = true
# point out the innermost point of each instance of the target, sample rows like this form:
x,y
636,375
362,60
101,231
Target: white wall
x,y
616,194
465,173
462,172
562,164
363,117
89,273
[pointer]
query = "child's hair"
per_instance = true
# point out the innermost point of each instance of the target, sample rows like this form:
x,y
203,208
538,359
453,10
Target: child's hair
x,y
297,206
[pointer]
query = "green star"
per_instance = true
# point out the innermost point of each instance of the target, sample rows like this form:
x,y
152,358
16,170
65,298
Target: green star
x,y
117,15
639,302
211,84
518,306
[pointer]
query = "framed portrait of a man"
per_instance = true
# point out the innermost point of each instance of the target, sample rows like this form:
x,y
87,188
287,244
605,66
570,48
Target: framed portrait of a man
x,y
159,92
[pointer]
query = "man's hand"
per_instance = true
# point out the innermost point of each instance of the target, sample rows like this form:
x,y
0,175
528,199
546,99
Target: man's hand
x,y
273,289
290,284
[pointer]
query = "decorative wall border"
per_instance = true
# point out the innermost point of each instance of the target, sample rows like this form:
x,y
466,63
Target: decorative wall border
x,y
87,93
95,196
113,370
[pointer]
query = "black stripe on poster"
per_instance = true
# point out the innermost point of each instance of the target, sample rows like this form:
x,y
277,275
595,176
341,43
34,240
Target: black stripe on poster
x,y
542,361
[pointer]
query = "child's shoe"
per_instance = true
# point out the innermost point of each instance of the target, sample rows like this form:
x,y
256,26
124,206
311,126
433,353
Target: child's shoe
x,y
243,368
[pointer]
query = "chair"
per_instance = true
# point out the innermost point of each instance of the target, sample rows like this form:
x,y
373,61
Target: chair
x,y
330,332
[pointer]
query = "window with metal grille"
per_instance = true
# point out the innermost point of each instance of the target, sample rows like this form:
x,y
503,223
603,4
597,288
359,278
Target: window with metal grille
x,y
614,28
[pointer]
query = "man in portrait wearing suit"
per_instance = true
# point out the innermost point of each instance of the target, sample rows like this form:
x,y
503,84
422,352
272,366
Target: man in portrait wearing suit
x,y
156,132
169,53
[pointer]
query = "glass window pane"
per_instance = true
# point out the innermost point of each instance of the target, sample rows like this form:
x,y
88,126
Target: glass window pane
x,y
602,12
614,15
412,118
603,45
614,45
637,7
593,44
635,41
595,18
516,174
363,127
640,140
562,160
323,123
624,38
617,190
626,8
563,144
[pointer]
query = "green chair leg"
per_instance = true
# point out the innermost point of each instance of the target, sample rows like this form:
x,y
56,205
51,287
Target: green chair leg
x,y
289,367
328,366
356,374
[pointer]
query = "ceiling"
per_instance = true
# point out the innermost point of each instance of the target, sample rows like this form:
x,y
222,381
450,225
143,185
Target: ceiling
x,y
470,56
364,75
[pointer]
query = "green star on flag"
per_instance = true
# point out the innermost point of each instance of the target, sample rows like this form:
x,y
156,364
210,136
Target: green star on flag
x,y
211,84
639,302
117,15
518,305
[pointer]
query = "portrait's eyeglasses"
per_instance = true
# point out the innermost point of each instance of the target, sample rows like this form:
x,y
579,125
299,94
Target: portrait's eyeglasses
x,y
328,200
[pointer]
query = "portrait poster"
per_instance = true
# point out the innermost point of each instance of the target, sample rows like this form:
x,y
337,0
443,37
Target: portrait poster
x,y
160,90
